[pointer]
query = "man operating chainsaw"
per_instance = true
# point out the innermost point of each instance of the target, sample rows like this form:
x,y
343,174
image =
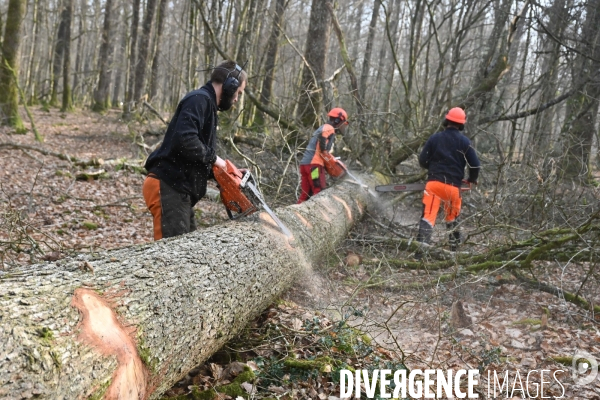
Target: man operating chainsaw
x,y
312,165
179,169
445,156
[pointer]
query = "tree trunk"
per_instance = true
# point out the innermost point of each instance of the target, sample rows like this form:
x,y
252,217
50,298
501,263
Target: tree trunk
x,y
144,48
246,29
30,84
271,58
80,47
101,93
313,72
57,58
135,20
9,97
539,136
129,323
160,22
366,66
120,54
582,110
67,102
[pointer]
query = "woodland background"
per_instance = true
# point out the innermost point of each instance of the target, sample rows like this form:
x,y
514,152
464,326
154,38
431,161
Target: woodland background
x,y
88,81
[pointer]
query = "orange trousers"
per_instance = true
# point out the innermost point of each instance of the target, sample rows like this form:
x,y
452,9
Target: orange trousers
x,y
437,193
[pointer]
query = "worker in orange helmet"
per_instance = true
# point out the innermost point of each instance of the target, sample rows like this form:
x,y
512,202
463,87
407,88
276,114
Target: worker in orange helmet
x,y
312,170
445,156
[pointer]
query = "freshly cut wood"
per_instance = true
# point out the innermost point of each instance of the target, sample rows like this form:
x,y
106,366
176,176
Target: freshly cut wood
x,y
127,324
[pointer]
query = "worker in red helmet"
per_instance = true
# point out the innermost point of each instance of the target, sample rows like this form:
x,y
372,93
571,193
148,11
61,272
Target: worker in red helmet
x,y
445,156
312,166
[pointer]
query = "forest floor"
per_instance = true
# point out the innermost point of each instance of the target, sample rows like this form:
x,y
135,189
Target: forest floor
x,y
357,309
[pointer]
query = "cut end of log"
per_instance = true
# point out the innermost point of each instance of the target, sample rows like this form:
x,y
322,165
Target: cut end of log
x,y
101,330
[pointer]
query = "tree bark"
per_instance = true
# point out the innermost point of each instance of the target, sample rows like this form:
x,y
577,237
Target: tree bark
x,y
539,141
101,94
9,97
80,48
57,58
272,50
582,109
366,66
271,58
317,42
160,22
67,103
129,323
135,20
30,84
144,48
120,55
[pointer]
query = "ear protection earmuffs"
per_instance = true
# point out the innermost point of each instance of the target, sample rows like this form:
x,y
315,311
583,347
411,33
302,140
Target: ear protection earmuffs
x,y
336,121
230,87
232,83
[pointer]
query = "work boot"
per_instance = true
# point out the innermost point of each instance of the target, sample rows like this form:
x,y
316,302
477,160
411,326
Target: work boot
x,y
425,232
424,236
453,235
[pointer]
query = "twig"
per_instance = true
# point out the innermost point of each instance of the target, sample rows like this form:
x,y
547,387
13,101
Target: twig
x,y
259,173
145,103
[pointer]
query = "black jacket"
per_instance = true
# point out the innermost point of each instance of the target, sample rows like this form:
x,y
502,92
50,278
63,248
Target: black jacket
x,y
184,159
446,154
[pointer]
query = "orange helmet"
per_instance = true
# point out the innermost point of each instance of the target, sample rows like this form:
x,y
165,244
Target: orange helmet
x,y
338,113
457,115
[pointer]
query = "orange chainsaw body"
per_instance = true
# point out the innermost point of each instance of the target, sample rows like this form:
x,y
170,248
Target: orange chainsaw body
x,y
334,167
229,180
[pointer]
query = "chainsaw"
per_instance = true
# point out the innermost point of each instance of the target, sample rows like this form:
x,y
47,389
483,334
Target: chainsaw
x,y
240,195
412,187
336,168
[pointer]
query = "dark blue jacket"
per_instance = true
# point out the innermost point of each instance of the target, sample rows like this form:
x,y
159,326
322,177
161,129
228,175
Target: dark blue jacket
x,y
445,156
184,159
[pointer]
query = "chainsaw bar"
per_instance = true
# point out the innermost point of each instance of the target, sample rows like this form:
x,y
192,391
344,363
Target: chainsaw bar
x,y
409,187
255,194
401,187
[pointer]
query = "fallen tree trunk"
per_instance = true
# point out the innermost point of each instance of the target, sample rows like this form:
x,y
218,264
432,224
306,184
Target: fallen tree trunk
x,y
127,324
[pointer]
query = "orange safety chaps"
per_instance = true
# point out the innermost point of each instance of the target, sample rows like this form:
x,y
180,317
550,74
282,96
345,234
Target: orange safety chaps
x,y
439,192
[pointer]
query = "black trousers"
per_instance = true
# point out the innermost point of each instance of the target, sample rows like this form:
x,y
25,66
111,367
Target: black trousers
x,y
172,211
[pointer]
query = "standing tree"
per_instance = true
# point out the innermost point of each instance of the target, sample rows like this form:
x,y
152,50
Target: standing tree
x,y
31,75
366,66
80,45
144,49
120,59
101,94
57,58
135,20
582,110
271,57
310,104
9,68
160,23
67,102
539,136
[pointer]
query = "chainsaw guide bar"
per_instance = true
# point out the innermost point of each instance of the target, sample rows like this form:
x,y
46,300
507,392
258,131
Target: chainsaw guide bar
x,y
410,187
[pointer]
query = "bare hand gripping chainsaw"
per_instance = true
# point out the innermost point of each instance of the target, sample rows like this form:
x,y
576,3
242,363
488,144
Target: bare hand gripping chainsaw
x,y
240,195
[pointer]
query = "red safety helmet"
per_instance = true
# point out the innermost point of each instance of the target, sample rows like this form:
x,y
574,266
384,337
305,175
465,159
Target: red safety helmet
x,y
457,115
338,116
